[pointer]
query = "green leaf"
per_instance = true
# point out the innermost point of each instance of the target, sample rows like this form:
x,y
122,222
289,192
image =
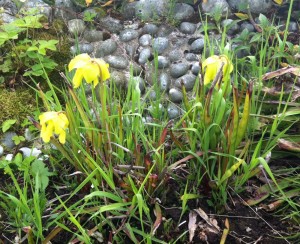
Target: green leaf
x,y
39,171
6,125
18,139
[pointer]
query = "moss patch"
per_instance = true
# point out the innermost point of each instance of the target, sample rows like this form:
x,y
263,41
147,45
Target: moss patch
x,y
16,105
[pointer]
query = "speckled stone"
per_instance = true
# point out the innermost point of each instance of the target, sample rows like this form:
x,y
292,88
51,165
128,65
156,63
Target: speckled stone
x,y
231,26
136,69
76,26
164,82
179,69
183,11
256,6
197,45
118,78
195,68
173,111
188,81
7,141
191,57
164,30
107,47
176,55
26,151
152,96
83,48
151,9
248,26
144,56
111,25
150,29
128,35
187,28
175,95
145,40
163,62
93,35
141,82
213,6
160,44
131,49
117,62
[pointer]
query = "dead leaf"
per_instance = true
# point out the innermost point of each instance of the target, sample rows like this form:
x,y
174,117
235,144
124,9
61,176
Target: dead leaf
x,y
280,72
211,222
192,225
107,3
288,145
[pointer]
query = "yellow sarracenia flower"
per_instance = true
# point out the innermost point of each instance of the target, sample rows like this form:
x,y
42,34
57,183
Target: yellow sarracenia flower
x,y
53,122
88,2
213,64
91,69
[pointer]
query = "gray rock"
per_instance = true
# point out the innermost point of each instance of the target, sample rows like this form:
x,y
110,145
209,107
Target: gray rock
x,y
230,26
164,82
60,11
9,6
145,54
1,150
117,62
191,57
26,151
128,35
7,140
248,26
175,95
141,82
128,10
76,26
176,55
151,9
163,62
183,11
29,136
107,47
214,7
179,69
93,35
195,68
145,40
131,49
7,18
173,111
160,44
256,6
187,27
150,29
164,30
39,5
119,79
9,157
83,48
197,45
188,81
111,25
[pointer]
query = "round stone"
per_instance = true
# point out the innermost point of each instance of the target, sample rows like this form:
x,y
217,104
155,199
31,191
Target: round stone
x,y
164,82
26,151
111,25
131,49
136,69
195,68
160,44
150,9
197,45
93,35
175,55
216,6
145,40
83,48
175,95
128,10
150,29
256,6
191,57
152,96
164,30
7,140
29,136
145,54
187,28
118,79
128,35
178,69
230,26
106,47
163,62
183,11
173,111
117,62
248,26
188,81
76,26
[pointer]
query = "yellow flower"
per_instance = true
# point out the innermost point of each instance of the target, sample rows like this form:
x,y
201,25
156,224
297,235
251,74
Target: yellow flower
x,y
88,2
213,64
91,69
53,122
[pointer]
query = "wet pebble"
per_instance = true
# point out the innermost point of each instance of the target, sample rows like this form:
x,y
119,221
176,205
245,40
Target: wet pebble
x,y
231,26
179,69
160,44
163,62
187,28
175,95
197,45
191,57
195,68
164,81
248,26
76,26
141,83
144,56
7,140
106,47
82,48
150,29
111,24
145,40
117,62
118,78
183,11
176,55
93,35
173,111
128,35
188,81
26,151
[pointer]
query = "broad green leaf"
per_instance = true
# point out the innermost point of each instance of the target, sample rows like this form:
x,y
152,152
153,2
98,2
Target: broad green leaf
x,y
6,125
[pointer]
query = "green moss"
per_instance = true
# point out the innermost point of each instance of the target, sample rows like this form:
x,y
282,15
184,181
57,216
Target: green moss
x,y
16,105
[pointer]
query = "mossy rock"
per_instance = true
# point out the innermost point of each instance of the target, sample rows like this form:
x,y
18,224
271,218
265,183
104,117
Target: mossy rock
x,y
16,105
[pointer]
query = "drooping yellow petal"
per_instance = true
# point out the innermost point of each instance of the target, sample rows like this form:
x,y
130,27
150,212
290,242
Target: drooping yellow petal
x,y
88,2
77,79
104,72
79,61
